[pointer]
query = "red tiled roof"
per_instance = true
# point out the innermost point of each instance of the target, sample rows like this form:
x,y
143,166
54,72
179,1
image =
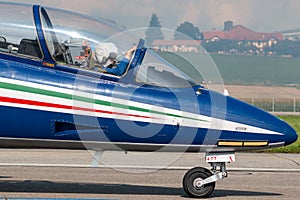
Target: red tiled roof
x,y
176,42
240,32
212,34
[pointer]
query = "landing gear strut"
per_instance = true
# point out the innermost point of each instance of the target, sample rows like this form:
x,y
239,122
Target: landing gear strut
x,y
200,182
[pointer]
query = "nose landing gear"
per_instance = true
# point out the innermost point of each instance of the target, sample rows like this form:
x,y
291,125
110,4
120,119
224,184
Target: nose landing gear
x,y
200,182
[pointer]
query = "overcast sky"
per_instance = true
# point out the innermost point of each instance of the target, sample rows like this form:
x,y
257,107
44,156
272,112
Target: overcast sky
x,y
258,15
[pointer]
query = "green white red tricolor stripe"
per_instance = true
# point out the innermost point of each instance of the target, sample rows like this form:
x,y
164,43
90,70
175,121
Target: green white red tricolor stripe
x,y
22,94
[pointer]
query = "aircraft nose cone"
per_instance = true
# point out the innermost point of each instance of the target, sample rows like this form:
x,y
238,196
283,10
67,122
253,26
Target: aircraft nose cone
x,y
290,135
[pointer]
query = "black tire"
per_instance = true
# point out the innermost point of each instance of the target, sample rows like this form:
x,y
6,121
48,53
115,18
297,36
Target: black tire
x,y
194,191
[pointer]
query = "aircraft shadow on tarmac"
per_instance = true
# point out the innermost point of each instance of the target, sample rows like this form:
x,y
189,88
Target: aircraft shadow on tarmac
x,y
29,186
5,177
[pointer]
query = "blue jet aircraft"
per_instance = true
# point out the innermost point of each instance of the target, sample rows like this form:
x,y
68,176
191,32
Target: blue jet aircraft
x,y
58,90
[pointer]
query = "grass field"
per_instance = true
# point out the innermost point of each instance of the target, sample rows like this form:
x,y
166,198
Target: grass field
x,y
247,70
294,121
258,69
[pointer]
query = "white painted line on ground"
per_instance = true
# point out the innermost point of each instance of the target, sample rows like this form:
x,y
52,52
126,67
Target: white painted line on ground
x,y
145,167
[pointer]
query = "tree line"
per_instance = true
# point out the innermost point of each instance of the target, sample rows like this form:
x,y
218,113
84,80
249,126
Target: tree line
x,y
184,31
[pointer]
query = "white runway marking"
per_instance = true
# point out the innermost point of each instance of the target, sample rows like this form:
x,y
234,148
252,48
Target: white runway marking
x,y
145,167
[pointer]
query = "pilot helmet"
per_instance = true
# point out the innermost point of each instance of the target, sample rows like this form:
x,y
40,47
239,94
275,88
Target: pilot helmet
x,y
113,55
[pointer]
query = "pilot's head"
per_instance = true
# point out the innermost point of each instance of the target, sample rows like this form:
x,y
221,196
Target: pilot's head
x,y
112,56
86,47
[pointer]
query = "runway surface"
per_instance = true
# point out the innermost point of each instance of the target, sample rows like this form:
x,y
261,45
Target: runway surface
x,y
24,174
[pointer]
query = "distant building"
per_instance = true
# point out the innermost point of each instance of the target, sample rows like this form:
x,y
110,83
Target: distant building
x,y
238,33
241,33
292,36
176,45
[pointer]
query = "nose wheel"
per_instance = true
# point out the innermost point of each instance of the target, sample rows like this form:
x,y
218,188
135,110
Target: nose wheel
x,y
200,182
192,182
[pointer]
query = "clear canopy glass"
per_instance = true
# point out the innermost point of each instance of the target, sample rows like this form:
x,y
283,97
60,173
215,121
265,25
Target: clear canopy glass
x,y
67,34
17,29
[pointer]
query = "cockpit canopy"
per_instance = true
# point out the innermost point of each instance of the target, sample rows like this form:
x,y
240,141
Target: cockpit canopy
x,y
18,30
64,40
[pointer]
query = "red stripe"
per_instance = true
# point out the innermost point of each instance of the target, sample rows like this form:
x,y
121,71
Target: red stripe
x,y
53,105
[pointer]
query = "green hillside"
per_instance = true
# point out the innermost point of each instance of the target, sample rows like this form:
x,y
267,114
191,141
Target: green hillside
x,y
264,70
261,70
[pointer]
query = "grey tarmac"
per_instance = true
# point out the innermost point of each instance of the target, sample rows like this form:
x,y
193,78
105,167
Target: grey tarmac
x,y
67,174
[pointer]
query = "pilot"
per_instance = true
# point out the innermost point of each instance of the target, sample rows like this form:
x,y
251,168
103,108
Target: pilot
x,y
89,54
120,68
103,54
110,66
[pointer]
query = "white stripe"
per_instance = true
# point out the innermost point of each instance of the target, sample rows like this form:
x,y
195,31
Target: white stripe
x,y
142,167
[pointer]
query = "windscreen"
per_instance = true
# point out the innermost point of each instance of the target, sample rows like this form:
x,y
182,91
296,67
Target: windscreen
x,y
155,71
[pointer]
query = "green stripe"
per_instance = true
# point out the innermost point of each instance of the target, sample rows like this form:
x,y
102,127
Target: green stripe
x,y
84,99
